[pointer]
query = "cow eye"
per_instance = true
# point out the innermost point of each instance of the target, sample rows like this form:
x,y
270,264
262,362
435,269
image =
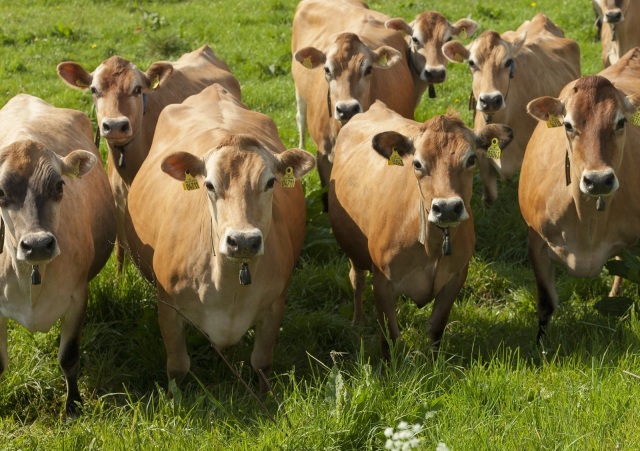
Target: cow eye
x,y
568,127
472,64
270,183
449,38
368,70
137,90
209,187
327,71
471,161
508,63
415,40
3,198
94,91
417,165
620,124
59,188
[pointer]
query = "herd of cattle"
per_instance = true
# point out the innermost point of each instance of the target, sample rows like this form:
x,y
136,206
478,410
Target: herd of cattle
x,y
206,199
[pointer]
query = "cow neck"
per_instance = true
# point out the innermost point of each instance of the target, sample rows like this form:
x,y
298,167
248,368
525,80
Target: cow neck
x,y
414,69
600,201
424,223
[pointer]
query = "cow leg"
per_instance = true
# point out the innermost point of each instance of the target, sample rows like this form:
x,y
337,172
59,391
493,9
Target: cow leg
x,y
301,119
544,272
324,171
265,342
386,309
616,288
4,354
120,254
489,180
172,328
69,353
358,281
442,307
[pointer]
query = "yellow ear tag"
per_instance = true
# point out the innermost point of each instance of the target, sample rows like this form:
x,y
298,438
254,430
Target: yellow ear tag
x,y
190,183
156,82
458,58
395,159
494,150
288,179
81,83
307,62
74,172
382,61
635,119
553,121
463,33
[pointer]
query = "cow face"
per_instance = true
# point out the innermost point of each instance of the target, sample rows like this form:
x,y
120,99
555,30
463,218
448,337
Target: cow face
x,y
118,89
240,176
594,115
31,189
444,159
492,63
610,11
348,66
426,35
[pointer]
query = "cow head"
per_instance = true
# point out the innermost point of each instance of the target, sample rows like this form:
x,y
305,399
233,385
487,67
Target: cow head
x,y
611,11
491,60
444,159
240,176
118,89
594,115
426,35
348,67
31,189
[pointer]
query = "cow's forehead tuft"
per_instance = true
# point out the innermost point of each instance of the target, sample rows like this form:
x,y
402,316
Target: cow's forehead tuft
x,y
430,24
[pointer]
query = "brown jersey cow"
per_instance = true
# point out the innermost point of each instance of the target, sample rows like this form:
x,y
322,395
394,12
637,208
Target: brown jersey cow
x,y
619,27
57,228
410,225
507,72
222,255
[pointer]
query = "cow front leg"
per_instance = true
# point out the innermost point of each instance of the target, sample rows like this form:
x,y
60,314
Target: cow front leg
x,y
172,328
69,353
489,178
301,119
358,281
4,353
442,307
544,272
385,300
264,344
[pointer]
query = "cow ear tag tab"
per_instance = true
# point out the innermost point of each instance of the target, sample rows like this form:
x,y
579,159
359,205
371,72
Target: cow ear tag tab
x,y
494,150
190,183
288,179
463,33
635,119
395,159
156,82
307,62
382,61
553,121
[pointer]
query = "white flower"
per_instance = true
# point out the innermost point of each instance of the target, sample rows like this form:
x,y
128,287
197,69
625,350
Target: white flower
x,y
403,425
442,447
388,432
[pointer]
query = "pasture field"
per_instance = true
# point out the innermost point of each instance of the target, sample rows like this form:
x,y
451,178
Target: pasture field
x,y
490,388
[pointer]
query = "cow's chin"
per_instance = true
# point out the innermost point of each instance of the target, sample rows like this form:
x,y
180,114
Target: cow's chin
x,y
446,224
119,142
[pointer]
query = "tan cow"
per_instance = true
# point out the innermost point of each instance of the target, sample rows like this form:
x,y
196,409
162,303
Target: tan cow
x,y
579,187
128,103
619,29
195,244
417,237
507,72
57,227
343,60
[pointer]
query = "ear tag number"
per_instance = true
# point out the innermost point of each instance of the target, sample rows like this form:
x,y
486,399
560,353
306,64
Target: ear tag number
x,y
635,119
463,33
288,179
382,61
190,183
494,150
156,82
307,62
553,121
395,159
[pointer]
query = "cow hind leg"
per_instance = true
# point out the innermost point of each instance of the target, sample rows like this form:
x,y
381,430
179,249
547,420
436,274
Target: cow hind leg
x,y
544,272
386,309
172,328
442,307
265,342
301,119
358,281
69,352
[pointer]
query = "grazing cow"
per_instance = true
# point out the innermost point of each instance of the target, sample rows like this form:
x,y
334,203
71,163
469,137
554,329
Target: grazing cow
x,y
343,60
578,185
242,224
129,101
57,227
507,72
619,27
418,239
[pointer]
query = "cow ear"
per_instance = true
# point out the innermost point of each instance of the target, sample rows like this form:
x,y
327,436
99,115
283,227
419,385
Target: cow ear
x,y
399,25
157,74
74,75
542,107
386,143
455,51
385,57
310,57
490,132
517,42
632,104
77,163
299,160
179,163
469,26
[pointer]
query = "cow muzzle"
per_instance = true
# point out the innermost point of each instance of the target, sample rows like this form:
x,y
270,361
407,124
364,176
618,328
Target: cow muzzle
x,y
599,183
491,102
447,212
37,247
434,74
346,110
116,129
245,244
614,16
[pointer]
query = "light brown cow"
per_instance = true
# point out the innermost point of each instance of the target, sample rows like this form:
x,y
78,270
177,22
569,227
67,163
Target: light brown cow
x,y
507,72
579,187
405,237
57,227
194,244
620,27
343,60
129,101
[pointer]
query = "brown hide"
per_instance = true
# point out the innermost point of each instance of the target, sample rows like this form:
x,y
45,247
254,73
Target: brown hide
x,y
620,32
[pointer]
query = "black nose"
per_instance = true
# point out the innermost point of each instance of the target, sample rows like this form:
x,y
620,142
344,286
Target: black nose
x,y
244,244
614,16
599,183
38,246
447,211
115,126
491,103
435,75
346,112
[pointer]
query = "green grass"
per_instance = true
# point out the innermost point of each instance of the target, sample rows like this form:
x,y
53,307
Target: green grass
x,y
489,388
